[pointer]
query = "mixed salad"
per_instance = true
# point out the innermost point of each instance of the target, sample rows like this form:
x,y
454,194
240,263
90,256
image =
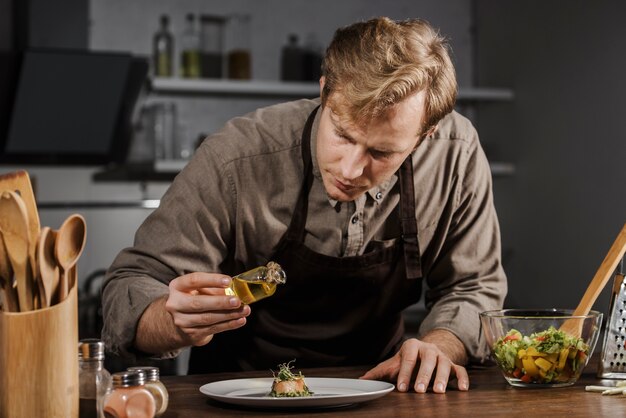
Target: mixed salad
x,y
549,356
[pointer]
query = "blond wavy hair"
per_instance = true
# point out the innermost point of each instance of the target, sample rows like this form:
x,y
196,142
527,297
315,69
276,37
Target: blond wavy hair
x,y
377,63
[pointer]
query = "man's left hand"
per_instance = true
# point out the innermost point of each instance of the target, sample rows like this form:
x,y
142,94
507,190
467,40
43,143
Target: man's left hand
x,y
425,359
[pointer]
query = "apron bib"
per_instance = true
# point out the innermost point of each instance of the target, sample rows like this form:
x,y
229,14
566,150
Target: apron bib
x,y
333,311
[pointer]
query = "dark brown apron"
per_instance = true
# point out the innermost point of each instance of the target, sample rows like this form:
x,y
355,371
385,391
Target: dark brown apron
x,y
332,311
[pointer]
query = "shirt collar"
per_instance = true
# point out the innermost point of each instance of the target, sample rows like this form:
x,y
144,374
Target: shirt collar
x,y
377,193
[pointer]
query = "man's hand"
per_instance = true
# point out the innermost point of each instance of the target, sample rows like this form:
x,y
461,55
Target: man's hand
x,y
432,362
196,308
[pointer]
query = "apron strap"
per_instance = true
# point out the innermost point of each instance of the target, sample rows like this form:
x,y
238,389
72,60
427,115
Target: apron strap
x,y
298,220
412,259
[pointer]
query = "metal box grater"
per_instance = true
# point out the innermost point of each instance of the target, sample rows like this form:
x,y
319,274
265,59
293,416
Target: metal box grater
x,y
613,356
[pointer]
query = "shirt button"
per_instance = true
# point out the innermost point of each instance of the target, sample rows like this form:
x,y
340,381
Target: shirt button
x,y
379,196
355,219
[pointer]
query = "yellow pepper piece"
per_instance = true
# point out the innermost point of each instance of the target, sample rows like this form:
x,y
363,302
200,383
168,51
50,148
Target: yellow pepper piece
x,y
543,364
532,351
562,359
552,357
530,367
521,353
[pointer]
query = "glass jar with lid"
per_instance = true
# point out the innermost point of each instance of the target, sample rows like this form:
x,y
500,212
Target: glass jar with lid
x,y
155,386
93,379
129,397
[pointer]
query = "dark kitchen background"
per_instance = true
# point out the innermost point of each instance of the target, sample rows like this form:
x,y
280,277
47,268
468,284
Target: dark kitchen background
x,y
542,81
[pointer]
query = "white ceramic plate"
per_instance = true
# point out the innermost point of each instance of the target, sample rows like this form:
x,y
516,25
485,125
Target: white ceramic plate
x,y
327,392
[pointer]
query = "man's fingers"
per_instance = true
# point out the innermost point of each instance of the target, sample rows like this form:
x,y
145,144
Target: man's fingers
x,y
428,362
194,303
442,375
462,377
195,281
202,335
210,318
383,371
408,360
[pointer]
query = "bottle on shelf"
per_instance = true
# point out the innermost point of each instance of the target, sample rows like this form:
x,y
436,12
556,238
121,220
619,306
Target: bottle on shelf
x,y
93,379
211,46
163,50
239,60
190,48
292,60
312,60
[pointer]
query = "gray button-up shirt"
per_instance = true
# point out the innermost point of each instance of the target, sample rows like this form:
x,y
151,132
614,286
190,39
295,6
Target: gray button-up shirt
x,y
227,210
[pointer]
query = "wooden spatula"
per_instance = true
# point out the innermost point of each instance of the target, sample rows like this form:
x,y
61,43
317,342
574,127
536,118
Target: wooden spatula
x,y
14,227
609,264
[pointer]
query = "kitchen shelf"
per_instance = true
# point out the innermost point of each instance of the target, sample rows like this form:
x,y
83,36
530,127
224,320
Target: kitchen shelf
x,y
165,171
249,88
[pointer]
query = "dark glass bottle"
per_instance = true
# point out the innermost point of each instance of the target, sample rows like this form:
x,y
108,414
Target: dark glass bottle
x,y
292,60
312,61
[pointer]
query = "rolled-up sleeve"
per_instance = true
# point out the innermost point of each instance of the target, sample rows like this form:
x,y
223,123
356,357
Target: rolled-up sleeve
x,y
182,236
466,276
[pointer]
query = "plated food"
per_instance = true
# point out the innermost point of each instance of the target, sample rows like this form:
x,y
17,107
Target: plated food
x,y
543,357
288,384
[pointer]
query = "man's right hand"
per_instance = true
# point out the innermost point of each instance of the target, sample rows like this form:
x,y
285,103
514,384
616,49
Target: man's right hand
x,y
196,308
200,308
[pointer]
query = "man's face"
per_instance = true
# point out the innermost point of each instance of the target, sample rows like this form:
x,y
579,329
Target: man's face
x,y
354,158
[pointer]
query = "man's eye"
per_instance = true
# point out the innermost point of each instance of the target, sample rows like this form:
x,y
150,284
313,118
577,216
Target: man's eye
x,y
381,154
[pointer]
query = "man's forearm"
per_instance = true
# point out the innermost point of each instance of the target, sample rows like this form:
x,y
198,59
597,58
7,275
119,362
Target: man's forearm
x,y
156,331
448,343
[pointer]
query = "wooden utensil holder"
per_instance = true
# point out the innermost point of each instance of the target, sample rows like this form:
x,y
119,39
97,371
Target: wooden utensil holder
x,y
39,361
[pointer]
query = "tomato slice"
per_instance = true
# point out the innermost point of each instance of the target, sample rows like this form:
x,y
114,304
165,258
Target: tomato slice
x,y
512,337
526,378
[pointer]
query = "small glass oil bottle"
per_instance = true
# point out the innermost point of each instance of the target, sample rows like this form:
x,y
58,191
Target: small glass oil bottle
x,y
155,386
258,283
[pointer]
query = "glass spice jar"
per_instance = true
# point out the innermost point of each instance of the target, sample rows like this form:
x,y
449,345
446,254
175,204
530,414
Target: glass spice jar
x,y
93,379
129,396
155,386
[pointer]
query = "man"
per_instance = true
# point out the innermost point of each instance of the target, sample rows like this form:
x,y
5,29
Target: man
x,y
359,196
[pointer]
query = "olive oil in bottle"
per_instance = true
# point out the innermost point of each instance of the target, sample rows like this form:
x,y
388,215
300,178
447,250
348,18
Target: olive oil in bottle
x,y
258,283
190,45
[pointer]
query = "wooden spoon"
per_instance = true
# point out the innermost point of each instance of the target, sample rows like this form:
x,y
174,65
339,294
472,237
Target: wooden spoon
x,y
6,278
14,227
68,247
48,268
609,264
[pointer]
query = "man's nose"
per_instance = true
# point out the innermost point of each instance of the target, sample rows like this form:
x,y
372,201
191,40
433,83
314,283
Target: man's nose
x,y
353,165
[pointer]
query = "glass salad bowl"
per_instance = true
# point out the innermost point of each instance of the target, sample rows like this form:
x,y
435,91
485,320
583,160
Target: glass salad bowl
x,y
533,348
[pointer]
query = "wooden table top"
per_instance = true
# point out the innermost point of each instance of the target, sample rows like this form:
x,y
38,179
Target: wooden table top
x,y
489,396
